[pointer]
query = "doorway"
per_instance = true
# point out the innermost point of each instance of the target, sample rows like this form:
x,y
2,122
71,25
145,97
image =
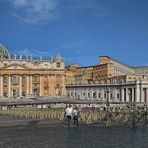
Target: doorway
x,y
15,93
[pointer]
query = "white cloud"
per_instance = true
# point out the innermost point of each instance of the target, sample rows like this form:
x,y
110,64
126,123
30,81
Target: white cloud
x,y
34,11
41,11
19,3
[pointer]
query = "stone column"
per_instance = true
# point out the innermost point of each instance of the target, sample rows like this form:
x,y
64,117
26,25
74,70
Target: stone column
x,y
147,95
2,85
97,97
108,94
102,95
114,95
127,95
49,86
86,94
27,85
73,93
70,93
141,94
133,95
9,86
52,86
80,93
63,85
122,95
31,85
91,94
97,94
137,95
41,85
20,85
82,96
76,97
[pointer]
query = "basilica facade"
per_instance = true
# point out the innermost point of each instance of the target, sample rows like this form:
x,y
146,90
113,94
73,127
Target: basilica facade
x,y
23,76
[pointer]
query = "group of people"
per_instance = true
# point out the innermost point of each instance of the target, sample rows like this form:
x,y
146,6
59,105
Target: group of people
x,y
70,112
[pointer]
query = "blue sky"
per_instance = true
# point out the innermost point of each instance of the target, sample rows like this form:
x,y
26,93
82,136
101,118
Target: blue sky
x,y
81,30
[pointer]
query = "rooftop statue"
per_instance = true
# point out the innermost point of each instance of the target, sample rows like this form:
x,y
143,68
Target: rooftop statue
x,y
58,58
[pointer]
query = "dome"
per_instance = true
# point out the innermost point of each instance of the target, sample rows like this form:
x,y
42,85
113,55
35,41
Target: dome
x,y
4,52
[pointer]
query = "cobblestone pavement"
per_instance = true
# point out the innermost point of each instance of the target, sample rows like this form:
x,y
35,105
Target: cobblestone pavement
x,y
38,133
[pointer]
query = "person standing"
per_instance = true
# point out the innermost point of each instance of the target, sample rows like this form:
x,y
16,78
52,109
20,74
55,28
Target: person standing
x,y
69,112
76,115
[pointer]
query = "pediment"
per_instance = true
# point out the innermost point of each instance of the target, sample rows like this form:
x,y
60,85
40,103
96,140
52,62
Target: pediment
x,y
14,66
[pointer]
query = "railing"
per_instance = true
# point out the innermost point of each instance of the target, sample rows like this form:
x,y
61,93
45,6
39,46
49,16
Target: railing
x,y
117,117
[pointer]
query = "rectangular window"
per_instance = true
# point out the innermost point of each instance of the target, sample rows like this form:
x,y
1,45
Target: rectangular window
x,y
46,65
58,77
58,65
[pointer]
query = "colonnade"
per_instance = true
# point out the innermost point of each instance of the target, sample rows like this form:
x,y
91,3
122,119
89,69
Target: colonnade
x,y
136,92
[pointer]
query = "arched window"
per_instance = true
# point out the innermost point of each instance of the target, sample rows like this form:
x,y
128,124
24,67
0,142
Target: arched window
x,y
24,79
46,79
5,79
36,79
14,79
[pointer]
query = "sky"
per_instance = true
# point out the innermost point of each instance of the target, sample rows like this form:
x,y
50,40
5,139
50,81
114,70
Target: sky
x,y
80,30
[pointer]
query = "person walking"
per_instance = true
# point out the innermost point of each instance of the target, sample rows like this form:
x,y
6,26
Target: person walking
x,y
69,111
76,115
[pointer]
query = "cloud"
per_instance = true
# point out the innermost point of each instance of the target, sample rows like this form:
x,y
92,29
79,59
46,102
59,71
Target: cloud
x,y
95,7
81,4
42,11
19,3
34,11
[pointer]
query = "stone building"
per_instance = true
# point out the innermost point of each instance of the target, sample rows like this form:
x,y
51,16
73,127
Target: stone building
x,y
107,68
21,76
124,83
126,92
